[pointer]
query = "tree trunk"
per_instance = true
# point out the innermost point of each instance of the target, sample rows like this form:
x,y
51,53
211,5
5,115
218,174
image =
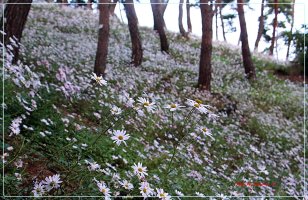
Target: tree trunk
x,y
205,67
159,23
290,37
275,23
261,27
182,30
112,7
132,19
16,17
103,38
161,7
247,61
189,27
216,22
89,4
222,20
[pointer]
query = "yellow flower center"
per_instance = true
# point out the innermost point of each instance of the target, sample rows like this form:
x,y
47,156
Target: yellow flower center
x,y
146,104
173,106
144,190
120,137
198,101
197,105
103,190
204,129
162,194
140,169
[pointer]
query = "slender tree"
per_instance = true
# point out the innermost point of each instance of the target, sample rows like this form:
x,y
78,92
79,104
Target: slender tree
x,y
161,6
189,27
292,25
103,38
247,61
216,19
261,27
15,15
275,23
112,7
159,21
132,19
220,6
205,67
181,27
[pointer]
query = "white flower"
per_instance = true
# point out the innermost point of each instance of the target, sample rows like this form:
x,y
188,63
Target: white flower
x,y
199,194
221,196
139,170
52,182
198,105
145,189
99,79
14,127
127,185
93,166
10,148
120,136
179,193
205,131
173,107
150,107
38,189
18,163
104,189
18,176
162,195
116,110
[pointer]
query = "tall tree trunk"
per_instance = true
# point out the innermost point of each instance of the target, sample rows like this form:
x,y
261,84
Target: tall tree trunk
x,y
132,19
205,67
222,20
16,17
103,38
290,37
247,61
161,7
261,27
181,27
275,23
189,27
216,21
159,22
112,7
89,4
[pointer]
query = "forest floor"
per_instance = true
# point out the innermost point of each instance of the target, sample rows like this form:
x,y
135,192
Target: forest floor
x,y
57,121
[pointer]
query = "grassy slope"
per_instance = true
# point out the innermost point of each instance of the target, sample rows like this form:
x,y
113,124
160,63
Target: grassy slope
x,y
261,124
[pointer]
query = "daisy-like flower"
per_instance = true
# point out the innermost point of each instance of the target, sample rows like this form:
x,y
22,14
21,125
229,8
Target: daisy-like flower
x,y
99,79
205,131
139,170
179,193
52,182
93,166
145,103
198,105
199,194
38,189
116,110
104,189
120,136
127,185
162,195
145,189
173,107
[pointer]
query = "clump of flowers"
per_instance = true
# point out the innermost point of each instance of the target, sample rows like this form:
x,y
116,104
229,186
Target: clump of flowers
x,y
98,79
50,182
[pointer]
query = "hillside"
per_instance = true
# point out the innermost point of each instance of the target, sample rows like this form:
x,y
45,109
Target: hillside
x,y
63,122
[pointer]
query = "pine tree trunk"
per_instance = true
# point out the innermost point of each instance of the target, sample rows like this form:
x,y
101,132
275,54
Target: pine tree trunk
x,y
247,61
132,19
16,17
181,27
290,37
205,67
261,27
216,20
222,20
189,27
103,38
275,23
159,25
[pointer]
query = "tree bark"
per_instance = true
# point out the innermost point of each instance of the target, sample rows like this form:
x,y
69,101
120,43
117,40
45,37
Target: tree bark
x,y
103,39
181,27
247,61
89,4
290,37
189,27
159,22
161,7
205,67
216,22
16,17
112,7
275,23
222,20
132,19
261,27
